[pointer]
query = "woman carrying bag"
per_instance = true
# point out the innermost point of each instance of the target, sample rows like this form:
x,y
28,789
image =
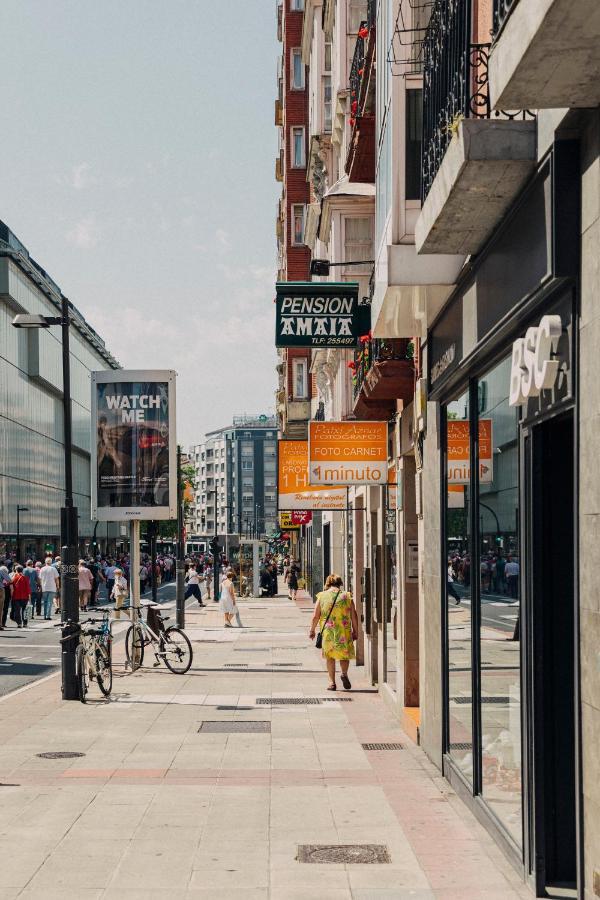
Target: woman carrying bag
x,y
336,617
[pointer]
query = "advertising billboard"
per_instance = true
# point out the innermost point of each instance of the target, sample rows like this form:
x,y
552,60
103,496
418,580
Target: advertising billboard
x,y
348,452
294,490
459,462
320,314
134,451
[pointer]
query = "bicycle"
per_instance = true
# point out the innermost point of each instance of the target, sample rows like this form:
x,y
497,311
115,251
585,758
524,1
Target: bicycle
x,y
171,645
93,655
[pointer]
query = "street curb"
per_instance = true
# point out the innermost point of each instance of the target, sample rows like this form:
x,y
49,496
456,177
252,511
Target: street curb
x,y
27,687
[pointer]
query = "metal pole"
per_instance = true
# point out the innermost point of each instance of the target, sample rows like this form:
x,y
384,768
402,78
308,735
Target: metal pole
x,y
18,553
134,581
179,565
69,569
153,561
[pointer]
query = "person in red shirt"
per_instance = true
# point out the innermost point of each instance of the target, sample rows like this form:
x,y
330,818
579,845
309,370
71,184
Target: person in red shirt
x,y
21,594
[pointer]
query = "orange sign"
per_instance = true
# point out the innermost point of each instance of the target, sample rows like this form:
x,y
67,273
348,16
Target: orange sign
x,y
348,452
294,489
459,463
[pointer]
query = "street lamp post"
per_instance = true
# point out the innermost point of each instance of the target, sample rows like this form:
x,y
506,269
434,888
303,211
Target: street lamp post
x,y
20,509
69,570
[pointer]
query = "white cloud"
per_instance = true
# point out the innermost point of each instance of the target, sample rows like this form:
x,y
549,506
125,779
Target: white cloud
x,y
222,239
81,176
84,234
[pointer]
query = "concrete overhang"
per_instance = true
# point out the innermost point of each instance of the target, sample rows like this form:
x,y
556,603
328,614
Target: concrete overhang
x,y
484,169
410,290
546,56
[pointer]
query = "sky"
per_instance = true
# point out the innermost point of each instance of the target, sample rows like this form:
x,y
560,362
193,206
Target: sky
x,y
137,165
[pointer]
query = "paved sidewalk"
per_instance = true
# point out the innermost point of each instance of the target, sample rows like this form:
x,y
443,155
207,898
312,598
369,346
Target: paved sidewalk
x,y
156,808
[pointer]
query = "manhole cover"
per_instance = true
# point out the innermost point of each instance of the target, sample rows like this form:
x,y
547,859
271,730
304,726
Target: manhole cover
x,y
391,746
235,727
288,701
343,853
60,754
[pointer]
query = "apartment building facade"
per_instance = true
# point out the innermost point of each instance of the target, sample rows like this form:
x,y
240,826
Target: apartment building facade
x,y
469,132
291,118
235,480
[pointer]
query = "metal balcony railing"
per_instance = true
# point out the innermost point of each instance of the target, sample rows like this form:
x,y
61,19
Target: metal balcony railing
x,y
455,82
375,351
502,10
356,71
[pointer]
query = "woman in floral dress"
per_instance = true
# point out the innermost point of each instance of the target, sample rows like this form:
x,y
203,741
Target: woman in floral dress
x,y
336,617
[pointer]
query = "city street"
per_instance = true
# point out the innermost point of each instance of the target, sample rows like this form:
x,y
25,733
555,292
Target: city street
x,y
224,783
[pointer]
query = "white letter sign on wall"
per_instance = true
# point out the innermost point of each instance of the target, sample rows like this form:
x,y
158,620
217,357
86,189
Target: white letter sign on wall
x,y
533,370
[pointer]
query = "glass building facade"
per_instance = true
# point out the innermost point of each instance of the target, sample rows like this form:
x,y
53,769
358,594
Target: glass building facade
x,y
31,410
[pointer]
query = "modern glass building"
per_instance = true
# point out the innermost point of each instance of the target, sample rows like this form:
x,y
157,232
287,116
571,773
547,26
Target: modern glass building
x,y
31,413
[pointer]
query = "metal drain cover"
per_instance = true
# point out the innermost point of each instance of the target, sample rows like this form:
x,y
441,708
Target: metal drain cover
x,y
461,746
503,700
236,727
288,664
60,754
288,701
343,853
234,665
383,746
252,649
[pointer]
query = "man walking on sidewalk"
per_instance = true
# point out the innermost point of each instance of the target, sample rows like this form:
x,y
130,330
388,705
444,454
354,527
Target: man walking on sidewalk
x,y
4,596
50,582
34,582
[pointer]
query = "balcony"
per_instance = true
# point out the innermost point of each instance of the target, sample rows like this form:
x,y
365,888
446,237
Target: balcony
x,y
545,54
383,373
278,112
294,419
475,162
279,167
360,162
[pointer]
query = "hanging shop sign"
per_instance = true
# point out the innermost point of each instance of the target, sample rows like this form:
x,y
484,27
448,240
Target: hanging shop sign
x,y
286,522
301,516
134,451
320,314
533,368
348,452
294,489
459,461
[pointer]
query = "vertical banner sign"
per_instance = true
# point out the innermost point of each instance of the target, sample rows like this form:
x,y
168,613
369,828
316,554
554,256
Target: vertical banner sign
x,y
348,452
294,491
459,461
134,452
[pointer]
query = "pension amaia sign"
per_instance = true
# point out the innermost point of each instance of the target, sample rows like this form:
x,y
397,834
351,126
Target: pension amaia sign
x,y
320,314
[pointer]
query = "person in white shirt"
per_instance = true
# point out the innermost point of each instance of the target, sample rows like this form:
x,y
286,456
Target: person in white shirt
x,y
193,585
119,592
50,584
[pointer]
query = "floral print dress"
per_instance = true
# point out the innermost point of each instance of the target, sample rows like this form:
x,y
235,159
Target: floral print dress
x,y
337,633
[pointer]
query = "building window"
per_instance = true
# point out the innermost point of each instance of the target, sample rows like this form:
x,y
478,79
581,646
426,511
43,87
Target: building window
x,y
414,127
296,5
297,224
357,14
327,104
298,155
300,385
359,240
296,70
247,464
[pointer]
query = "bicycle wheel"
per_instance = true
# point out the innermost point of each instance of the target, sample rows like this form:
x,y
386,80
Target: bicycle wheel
x,y
103,669
136,643
177,650
81,672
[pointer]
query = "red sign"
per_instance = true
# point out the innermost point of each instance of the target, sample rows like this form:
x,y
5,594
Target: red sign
x,y
301,516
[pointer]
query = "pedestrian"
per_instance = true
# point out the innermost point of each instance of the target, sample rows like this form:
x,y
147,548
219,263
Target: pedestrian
x,y
293,579
50,582
34,582
21,595
227,598
335,614
193,585
4,596
109,574
511,573
143,578
86,581
119,592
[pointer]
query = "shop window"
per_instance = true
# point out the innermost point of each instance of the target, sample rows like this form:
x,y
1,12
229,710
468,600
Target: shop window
x,y
458,577
497,518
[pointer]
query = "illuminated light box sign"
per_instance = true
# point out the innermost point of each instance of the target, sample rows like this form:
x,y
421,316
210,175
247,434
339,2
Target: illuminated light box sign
x,y
348,453
134,450
320,314
295,493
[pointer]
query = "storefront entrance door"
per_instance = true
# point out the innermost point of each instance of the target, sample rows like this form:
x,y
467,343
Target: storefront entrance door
x,y
549,455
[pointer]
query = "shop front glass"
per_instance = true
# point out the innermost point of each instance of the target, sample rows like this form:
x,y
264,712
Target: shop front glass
x,y
483,596
498,519
459,574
